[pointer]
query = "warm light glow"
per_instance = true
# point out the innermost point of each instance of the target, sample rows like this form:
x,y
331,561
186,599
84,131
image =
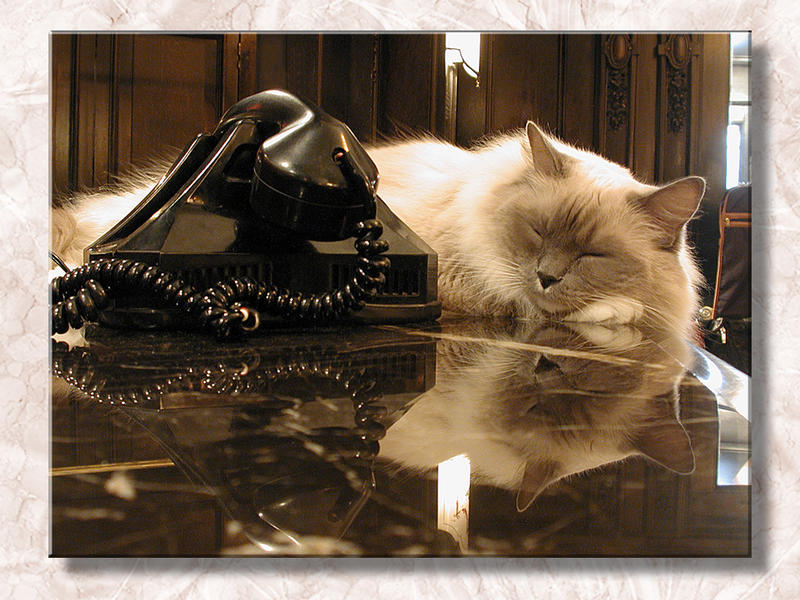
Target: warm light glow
x,y
734,143
453,497
463,47
743,476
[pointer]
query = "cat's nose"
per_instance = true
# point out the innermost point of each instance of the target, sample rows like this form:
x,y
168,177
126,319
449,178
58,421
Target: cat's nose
x,y
544,365
546,280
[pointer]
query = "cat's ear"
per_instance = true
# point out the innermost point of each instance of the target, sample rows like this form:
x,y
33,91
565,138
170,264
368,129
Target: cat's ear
x,y
665,441
546,158
672,205
538,475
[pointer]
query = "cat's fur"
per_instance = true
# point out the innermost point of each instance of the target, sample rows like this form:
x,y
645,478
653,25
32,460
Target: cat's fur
x,y
532,408
527,203
524,225
79,220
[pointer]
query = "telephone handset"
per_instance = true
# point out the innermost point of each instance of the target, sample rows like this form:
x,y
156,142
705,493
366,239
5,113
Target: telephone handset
x,y
311,175
256,208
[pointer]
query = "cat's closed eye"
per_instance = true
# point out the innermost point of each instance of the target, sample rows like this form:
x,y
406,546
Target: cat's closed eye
x,y
593,255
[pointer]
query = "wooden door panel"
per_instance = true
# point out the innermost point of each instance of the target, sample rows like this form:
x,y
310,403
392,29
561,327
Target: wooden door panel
x,y
175,92
525,81
123,100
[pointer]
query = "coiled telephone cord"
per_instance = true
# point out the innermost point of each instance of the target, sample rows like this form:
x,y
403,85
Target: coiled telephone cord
x,y
227,308
77,366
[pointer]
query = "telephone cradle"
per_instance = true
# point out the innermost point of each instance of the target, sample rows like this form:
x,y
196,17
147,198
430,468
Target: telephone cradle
x,y
252,224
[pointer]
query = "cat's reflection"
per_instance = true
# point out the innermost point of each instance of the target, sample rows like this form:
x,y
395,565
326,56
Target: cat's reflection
x,y
532,406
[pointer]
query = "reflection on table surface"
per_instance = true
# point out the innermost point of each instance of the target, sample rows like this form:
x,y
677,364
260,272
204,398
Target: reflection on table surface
x,y
463,436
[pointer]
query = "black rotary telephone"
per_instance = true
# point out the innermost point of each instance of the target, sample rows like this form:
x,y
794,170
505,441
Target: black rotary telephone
x,y
251,223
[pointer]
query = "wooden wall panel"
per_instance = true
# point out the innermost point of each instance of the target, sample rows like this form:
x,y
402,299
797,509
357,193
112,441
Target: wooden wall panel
x,y
710,113
176,92
470,108
362,108
302,66
133,98
270,62
675,67
617,82
707,151
333,70
130,96
644,110
411,77
104,108
524,81
61,101
335,81
88,91
122,91
578,124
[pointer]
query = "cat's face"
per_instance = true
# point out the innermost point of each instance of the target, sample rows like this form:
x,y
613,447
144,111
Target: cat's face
x,y
577,232
569,251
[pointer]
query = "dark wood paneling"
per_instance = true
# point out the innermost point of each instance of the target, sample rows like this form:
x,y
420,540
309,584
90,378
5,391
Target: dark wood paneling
x,y
333,70
270,64
124,81
711,112
470,108
524,82
62,47
176,91
335,90
645,107
89,140
247,66
362,109
228,71
437,84
104,110
618,80
133,98
578,122
407,96
302,66
675,98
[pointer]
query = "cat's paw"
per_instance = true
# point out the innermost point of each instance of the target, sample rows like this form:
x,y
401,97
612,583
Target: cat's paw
x,y
608,336
613,311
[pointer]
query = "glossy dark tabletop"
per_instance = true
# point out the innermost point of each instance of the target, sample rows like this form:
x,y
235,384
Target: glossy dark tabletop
x,y
462,436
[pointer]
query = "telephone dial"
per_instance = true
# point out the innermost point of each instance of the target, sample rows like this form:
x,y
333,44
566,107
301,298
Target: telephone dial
x,y
251,224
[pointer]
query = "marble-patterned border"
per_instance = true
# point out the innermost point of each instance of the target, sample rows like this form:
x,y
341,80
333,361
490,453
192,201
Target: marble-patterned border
x,y
26,570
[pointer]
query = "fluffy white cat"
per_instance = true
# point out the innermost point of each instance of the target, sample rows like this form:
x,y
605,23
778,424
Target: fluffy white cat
x,y
527,225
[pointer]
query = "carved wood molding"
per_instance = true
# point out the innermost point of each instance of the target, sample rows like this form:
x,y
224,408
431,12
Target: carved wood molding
x,y
677,48
618,50
677,98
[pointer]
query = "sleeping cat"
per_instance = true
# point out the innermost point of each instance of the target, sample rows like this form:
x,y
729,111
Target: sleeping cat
x,y
524,225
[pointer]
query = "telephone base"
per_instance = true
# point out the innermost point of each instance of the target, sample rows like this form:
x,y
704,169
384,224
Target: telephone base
x,y
236,204
168,318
